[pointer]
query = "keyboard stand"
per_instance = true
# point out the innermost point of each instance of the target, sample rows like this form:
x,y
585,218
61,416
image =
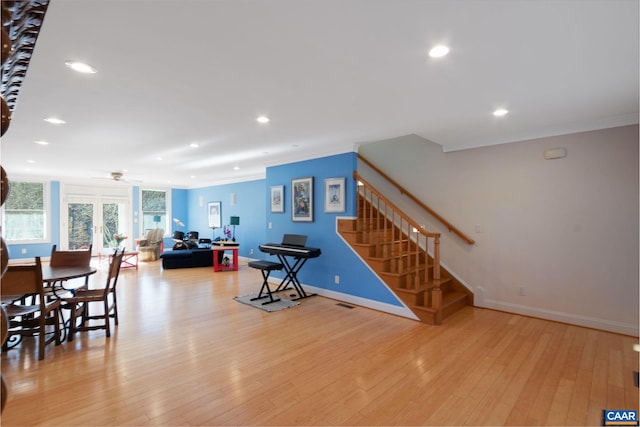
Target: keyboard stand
x,y
292,276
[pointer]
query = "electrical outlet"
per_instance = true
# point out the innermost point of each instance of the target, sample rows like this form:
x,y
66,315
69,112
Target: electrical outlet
x,y
522,291
336,280
270,226
250,251
23,251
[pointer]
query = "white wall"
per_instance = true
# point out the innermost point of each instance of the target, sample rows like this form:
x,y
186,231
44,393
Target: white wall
x,y
564,232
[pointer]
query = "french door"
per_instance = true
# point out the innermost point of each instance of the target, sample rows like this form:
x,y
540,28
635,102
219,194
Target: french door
x,y
94,221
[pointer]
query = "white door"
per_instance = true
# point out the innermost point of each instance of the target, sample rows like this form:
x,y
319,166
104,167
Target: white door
x,y
94,220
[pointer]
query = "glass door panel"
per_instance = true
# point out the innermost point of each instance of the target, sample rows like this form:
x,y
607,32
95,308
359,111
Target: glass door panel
x,y
81,220
113,222
94,221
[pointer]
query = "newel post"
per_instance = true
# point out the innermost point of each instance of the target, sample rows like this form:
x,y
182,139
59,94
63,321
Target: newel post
x,y
436,257
436,294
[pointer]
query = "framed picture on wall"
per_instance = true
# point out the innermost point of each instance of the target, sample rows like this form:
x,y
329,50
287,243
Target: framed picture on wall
x,y
277,199
302,199
334,194
214,211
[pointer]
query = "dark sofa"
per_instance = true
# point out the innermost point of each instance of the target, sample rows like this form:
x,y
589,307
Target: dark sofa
x,y
187,258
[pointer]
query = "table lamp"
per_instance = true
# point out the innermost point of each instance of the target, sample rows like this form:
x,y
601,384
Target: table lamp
x,y
234,220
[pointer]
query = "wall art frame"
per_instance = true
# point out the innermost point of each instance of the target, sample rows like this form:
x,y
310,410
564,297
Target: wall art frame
x,y
302,199
214,213
334,195
276,199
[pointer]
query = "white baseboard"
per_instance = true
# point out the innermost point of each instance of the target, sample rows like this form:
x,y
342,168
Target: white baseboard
x,y
558,316
363,302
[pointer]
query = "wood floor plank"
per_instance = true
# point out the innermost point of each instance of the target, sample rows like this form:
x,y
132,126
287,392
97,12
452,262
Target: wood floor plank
x,y
185,353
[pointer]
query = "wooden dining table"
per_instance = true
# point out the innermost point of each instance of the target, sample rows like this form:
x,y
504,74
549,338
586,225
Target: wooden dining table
x,y
56,277
53,274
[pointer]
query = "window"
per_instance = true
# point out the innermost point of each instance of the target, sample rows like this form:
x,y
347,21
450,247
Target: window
x,y
154,209
25,213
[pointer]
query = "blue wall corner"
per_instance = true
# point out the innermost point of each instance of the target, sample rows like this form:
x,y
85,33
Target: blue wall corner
x,y
244,199
337,258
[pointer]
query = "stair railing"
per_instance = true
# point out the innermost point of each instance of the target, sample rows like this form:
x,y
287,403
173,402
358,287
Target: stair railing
x,y
410,244
433,213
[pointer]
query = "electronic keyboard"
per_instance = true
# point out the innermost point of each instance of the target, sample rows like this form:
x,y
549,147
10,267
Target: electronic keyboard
x,y
288,250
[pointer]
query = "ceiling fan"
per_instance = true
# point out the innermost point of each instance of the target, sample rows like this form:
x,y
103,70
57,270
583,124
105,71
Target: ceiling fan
x,y
116,176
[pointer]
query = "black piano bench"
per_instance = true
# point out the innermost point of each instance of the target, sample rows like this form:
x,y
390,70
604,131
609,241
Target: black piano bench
x,y
265,267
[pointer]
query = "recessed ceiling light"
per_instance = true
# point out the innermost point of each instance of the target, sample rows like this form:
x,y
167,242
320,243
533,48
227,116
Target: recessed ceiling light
x,y
438,51
263,119
236,168
41,142
500,112
194,145
55,121
31,161
81,67
158,158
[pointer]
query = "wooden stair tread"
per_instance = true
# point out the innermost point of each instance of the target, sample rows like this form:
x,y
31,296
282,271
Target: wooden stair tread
x,y
429,286
363,244
408,270
448,299
452,297
397,256
412,291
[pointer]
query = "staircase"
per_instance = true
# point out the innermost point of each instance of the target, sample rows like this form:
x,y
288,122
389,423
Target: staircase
x,y
404,255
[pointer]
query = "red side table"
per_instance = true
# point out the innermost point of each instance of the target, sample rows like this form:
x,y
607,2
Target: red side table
x,y
222,246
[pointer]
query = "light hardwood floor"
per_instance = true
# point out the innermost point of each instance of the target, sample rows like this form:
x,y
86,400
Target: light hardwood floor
x,y
185,353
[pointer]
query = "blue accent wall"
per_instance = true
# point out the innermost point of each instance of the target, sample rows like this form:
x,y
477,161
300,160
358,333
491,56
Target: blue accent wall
x,y
180,210
258,225
337,258
250,206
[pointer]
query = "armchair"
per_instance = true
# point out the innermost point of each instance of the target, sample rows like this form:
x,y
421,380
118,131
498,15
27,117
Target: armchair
x,y
150,247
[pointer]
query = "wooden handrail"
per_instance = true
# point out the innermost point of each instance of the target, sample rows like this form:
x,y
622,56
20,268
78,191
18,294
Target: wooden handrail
x,y
387,202
433,213
390,212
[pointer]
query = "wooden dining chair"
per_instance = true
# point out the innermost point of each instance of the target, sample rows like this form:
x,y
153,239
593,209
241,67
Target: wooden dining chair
x,y
80,302
76,258
4,327
30,319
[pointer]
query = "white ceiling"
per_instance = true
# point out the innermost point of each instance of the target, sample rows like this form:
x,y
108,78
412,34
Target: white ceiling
x,y
331,74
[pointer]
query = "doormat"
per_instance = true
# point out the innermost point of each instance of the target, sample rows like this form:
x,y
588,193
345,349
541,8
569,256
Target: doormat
x,y
271,307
